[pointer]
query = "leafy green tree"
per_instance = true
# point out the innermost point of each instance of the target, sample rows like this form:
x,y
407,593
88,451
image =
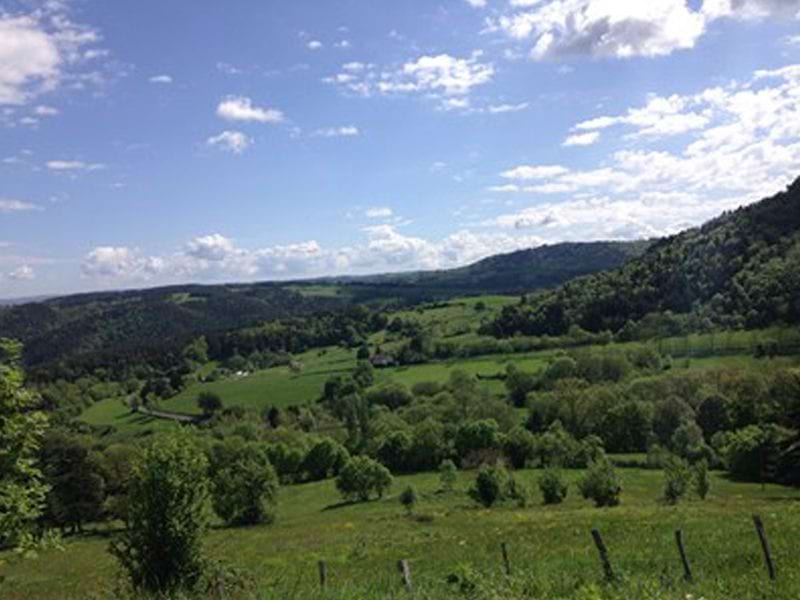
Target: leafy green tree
x,y
395,451
552,485
476,436
391,395
492,485
209,402
712,415
364,374
409,499
362,477
601,483
448,475
22,489
677,476
520,447
702,479
244,485
326,458
161,551
75,476
363,352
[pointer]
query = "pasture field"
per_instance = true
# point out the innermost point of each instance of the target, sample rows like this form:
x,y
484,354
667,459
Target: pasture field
x,y
550,547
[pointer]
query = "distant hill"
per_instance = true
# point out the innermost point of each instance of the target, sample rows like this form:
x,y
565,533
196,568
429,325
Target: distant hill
x,y
130,325
741,269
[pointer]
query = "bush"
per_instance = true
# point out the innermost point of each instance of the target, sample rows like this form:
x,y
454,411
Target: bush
x,y
161,551
702,480
553,487
676,479
408,498
601,483
476,436
448,475
492,485
244,484
520,447
209,403
361,477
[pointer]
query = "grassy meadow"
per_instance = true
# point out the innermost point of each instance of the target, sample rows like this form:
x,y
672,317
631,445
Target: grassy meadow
x,y
448,536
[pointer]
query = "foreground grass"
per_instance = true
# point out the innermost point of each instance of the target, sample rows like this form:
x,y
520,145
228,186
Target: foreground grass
x,y
551,550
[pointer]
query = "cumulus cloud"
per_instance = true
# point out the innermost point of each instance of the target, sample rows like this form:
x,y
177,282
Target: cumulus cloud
x,y
314,45
241,108
9,205
559,29
746,146
379,212
231,141
38,51
476,3
443,77
497,109
582,139
160,79
111,262
22,273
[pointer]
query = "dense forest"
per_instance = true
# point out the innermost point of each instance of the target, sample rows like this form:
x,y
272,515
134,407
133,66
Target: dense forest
x,y
740,270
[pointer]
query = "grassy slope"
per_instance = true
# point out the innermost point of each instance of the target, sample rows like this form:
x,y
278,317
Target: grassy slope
x,y
550,544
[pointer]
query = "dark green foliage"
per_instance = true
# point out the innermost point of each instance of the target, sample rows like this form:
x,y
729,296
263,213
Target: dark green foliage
x,y
391,395
325,459
161,551
740,269
209,402
476,436
364,374
244,486
361,478
552,486
601,483
394,451
520,447
492,485
448,475
408,498
677,476
75,475
701,479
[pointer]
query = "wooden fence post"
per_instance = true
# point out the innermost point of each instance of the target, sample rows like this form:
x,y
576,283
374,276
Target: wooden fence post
x,y
762,536
506,561
405,571
687,569
601,548
323,574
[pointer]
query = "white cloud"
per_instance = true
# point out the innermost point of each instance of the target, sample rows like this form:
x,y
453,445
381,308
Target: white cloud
x,y
114,262
161,79
45,111
506,108
342,131
623,29
240,108
476,3
38,51
22,273
314,45
379,212
231,141
442,77
9,205
73,165
534,172
582,139
343,44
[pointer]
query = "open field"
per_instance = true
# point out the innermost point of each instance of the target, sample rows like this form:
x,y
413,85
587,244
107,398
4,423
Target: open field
x,y
550,547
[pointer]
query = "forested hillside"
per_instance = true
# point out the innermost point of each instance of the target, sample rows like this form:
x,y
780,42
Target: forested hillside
x,y
741,269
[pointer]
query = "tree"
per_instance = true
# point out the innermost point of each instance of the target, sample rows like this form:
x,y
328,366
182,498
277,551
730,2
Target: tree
x,y
475,436
325,458
520,447
362,477
209,402
363,352
77,486
601,483
244,485
702,479
364,374
22,489
448,475
408,498
677,476
493,484
161,551
395,451
391,395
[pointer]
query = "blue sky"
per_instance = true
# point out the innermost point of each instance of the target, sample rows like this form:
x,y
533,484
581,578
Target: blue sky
x,y
151,142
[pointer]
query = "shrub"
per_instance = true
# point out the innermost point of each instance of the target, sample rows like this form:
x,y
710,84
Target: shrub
x,y
476,436
361,477
676,479
244,485
408,498
391,395
702,480
520,447
492,485
209,403
601,483
161,551
448,474
552,485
